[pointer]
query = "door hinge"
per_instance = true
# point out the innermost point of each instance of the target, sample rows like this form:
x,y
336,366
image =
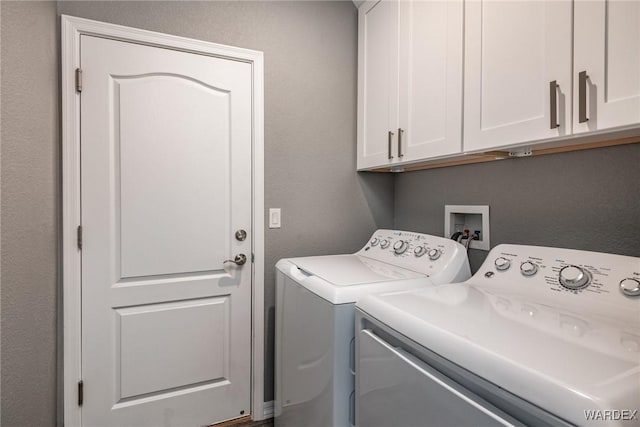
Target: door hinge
x,y
80,392
78,80
253,258
79,237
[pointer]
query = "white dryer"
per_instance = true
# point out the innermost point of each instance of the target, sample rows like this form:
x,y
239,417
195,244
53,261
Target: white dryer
x,y
538,337
315,315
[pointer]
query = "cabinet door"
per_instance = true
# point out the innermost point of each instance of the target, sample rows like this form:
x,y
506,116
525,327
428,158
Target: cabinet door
x,y
431,37
377,83
513,50
607,47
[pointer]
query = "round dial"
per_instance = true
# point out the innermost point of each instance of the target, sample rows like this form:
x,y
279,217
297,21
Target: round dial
x,y
434,254
574,277
375,241
502,263
630,287
419,251
400,246
384,244
528,268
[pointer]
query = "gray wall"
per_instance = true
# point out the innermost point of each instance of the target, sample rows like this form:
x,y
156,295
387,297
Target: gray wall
x,y
583,200
29,212
586,200
310,130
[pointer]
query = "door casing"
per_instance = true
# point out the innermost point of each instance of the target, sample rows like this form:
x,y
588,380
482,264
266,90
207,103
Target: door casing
x,y
71,30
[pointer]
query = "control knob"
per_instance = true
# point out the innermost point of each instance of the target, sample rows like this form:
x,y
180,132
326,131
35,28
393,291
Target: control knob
x,y
419,251
528,268
434,254
630,287
502,263
375,241
574,277
384,244
400,247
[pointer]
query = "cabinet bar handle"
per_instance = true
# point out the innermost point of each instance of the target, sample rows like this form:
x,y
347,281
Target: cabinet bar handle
x,y
582,97
390,155
553,100
400,142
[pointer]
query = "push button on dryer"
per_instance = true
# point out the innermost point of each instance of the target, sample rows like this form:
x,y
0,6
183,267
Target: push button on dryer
x,y
630,287
502,263
528,268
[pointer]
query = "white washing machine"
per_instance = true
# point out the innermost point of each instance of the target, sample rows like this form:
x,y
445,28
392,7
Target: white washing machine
x,y
315,315
538,337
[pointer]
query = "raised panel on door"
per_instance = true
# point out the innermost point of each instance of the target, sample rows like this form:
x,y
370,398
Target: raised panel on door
x,y
513,50
607,48
184,217
166,181
431,50
377,83
143,332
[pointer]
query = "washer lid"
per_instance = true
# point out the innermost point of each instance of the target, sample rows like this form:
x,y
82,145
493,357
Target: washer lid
x,y
562,361
349,270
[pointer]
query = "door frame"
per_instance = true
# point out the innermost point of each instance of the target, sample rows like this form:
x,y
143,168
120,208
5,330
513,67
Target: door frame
x,y
71,30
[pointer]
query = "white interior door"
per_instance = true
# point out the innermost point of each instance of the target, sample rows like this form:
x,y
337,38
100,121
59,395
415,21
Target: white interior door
x,y
513,51
607,48
165,183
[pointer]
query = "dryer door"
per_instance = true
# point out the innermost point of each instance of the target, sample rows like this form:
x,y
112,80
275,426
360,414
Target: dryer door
x,y
396,388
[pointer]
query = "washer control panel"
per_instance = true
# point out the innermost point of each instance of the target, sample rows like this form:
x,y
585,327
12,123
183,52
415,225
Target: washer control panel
x,y
415,251
579,274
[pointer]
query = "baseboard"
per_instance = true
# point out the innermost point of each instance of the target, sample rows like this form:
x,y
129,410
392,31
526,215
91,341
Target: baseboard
x,y
268,409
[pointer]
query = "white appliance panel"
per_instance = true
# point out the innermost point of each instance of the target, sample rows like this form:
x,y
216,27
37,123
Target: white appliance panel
x,y
537,332
315,315
395,381
350,270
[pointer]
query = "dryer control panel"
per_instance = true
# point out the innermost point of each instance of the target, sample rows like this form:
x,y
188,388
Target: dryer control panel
x,y
423,253
583,278
567,293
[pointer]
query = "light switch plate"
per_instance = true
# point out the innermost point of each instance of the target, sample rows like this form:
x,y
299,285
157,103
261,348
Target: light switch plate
x,y
274,217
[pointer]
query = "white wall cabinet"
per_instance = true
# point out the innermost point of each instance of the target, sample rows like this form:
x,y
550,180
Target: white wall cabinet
x,y
410,81
532,76
534,72
377,83
607,51
514,51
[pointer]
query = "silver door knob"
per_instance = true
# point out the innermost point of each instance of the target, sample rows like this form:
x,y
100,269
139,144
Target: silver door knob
x,y
240,259
241,235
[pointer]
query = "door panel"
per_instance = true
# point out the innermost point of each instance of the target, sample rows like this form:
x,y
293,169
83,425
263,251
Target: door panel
x,y
147,366
505,64
622,54
182,227
431,78
607,47
165,182
513,50
378,93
